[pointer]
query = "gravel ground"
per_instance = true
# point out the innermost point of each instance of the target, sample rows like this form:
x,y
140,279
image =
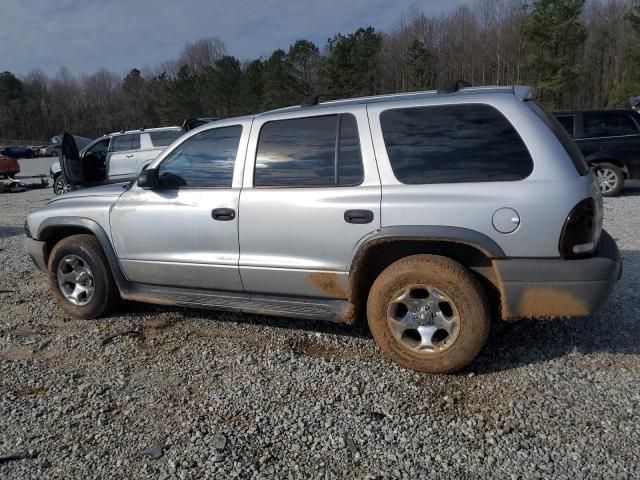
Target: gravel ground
x,y
200,394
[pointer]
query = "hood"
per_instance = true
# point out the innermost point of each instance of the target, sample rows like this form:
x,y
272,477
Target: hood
x,y
113,190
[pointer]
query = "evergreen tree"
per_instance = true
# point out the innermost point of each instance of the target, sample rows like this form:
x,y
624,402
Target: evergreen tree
x,y
276,75
352,63
304,64
160,111
554,35
185,96
226,78
630,85
135,95
12,97
420,66
251,88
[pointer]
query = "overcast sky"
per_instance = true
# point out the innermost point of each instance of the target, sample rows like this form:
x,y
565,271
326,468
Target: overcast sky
x,y
86,35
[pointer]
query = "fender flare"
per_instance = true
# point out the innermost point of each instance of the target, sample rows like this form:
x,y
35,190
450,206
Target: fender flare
x,y
53,224
439,233
603,156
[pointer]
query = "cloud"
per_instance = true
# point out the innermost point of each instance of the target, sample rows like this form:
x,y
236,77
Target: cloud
x,y
86,35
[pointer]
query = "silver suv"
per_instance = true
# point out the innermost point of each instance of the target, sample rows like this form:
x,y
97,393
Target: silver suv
x,y
116,157
425,213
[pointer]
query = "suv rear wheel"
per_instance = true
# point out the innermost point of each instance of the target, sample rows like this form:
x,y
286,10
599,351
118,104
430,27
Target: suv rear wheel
x,y
80,278
428,313
610,179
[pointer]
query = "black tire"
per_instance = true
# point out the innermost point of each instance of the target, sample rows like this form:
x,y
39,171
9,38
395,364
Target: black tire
x,y
610,179
105,294
458,285
58,184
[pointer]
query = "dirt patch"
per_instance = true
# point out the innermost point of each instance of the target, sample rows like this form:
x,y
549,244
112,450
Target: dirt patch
x,y
17,353
313,349
328,283
162,321
546,302
26,391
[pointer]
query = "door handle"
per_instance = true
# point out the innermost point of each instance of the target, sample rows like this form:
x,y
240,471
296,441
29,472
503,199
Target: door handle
x,y
129,156
223,214
358,216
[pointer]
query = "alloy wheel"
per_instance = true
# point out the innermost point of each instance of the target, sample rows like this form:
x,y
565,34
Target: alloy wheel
x,y
423,319
607,179
75,280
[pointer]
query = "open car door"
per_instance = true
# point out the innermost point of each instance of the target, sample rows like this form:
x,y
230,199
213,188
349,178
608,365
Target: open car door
x,y
70,161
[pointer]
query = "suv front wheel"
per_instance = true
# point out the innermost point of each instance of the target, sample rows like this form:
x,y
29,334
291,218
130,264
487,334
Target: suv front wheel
x,y
80,278
428,313
610,179
59,185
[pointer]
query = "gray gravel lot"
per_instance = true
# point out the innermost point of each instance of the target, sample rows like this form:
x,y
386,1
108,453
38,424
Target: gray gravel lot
x,y
218,395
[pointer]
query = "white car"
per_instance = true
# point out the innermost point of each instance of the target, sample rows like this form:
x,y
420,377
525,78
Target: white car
x,y
117,157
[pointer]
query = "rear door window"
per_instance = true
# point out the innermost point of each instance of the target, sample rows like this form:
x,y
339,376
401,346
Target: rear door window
x,y
123,143
162,138
309,152
453,144
135,141
608,124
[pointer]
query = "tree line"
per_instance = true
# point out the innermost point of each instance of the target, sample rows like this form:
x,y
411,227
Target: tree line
x,y
577,53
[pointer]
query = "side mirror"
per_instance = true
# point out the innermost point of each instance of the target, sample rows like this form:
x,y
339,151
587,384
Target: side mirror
x,y
148,179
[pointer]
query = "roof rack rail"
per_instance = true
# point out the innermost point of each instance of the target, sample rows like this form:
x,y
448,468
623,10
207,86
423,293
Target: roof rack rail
x,y
453,86
310,101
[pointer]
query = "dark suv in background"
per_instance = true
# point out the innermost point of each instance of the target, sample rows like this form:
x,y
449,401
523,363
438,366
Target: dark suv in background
x,y
610,142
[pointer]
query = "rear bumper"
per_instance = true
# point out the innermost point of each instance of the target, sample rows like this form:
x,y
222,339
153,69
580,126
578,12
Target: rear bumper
x,y
558,287
37,251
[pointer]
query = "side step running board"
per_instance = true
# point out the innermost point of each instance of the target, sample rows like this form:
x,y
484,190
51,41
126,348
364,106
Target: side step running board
x,y
339,311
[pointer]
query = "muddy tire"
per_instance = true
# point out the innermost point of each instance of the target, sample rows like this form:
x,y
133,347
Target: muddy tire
x,y
428,313
80,278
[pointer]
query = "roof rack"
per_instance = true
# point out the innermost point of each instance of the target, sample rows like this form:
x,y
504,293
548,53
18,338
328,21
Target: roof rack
x,y
310,101
453,86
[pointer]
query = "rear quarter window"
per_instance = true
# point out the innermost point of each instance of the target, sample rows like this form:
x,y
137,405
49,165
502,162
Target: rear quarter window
x,y
453,144
563,137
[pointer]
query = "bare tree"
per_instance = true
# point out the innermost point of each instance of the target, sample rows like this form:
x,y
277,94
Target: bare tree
x,y
200,55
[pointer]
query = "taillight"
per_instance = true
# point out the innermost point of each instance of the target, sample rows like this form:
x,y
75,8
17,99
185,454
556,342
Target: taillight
x,y
581,231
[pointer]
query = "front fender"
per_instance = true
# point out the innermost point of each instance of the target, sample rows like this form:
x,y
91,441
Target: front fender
x,y
53,227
